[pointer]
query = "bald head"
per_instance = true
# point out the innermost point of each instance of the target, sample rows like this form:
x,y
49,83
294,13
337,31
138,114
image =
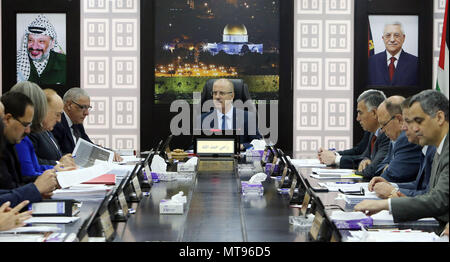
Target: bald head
x,y
390,116
54,109
223,94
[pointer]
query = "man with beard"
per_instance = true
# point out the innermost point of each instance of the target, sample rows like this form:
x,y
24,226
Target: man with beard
x,y
37,60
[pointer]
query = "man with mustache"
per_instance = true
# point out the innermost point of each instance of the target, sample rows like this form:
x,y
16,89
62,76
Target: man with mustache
x,y
394,66
37,60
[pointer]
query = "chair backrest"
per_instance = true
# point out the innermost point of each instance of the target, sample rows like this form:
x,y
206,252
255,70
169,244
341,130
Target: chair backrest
x,y
240,91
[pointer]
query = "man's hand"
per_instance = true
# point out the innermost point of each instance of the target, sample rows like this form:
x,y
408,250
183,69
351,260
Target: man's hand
x,y
46,183
363,164
383,189
375,180
11,218
61,167
68,161
371,207
327,157
117,157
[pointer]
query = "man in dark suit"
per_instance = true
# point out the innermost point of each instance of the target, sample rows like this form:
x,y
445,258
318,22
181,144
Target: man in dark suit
x,y
227,117
44,143
77,105
394,66
402,162
16,121
429,115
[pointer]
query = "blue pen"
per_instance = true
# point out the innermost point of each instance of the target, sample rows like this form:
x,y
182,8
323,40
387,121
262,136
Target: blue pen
x,y
332,149
345,182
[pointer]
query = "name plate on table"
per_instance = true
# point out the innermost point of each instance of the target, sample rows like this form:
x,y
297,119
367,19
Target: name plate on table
x,y
215,147
148,174
107,226
316,226
123,203
283,176
291,190
137,187
305,204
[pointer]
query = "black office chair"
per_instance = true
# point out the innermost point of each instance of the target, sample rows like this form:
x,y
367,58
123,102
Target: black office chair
x,y
240,92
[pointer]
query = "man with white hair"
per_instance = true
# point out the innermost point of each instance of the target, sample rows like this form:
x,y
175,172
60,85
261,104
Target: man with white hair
x,y
37,58
394,66
77,105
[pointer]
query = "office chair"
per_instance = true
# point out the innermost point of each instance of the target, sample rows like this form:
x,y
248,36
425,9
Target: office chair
x,y
240,92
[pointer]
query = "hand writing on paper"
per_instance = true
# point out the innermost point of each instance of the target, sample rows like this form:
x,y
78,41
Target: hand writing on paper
x,y
11,218
47,183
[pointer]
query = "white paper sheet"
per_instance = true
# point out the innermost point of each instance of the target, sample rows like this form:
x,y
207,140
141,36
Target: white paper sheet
x,y
86,153
32,229
51,220
78,176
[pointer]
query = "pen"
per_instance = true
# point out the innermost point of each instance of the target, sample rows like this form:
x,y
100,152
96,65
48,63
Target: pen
x,y
345,182
332,149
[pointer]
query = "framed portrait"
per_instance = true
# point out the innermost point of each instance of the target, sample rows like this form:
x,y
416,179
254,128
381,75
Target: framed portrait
x,y
393,49
44,52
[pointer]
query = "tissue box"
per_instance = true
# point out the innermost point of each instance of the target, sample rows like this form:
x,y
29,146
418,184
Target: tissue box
x,y
268,167
251,189
170,207
165,176
254,154
353,224
183,167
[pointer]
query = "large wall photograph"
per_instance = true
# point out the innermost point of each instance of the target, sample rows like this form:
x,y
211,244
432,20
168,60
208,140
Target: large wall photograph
x,y
197,40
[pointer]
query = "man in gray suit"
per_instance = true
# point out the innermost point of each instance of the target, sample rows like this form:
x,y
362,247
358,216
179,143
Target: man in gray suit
x,y
429,112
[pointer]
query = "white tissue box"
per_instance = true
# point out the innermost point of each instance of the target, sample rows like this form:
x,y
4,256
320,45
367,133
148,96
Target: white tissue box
x,y
183,167
170,207
166,176
252,189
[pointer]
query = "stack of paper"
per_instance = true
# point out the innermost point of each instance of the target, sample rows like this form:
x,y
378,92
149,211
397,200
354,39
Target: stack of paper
x,y
353,200
392,236
82,192
51,220
344,186
384,218
305,163
326,173
75,177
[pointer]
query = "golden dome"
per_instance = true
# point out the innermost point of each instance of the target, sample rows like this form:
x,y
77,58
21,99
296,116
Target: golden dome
x,y
235,30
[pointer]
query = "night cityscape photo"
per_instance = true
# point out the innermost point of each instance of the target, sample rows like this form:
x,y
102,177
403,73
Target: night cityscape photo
x,y
196,40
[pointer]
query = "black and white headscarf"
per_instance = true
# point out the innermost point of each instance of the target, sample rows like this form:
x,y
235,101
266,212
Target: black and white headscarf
x,y
41,25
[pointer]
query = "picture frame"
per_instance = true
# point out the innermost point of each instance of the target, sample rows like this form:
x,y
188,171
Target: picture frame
x,y
394,11
60,16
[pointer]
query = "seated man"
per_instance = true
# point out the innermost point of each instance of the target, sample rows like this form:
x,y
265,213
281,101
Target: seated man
x,y
227,117
70,129
419,186
429,114
402,162
16,111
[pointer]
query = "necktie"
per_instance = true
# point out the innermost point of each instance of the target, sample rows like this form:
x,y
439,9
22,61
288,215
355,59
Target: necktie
x,y
76,132
224,122
372,143
392,68
50,135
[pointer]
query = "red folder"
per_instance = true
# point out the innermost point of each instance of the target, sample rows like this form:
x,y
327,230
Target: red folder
x,y
107,179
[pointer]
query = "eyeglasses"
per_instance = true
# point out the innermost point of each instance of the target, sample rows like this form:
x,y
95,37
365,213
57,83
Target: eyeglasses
x,y
383,126
24,124
220,93
388,36
83,107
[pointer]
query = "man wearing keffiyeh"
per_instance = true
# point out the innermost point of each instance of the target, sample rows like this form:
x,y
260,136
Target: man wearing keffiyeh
x,y
37,60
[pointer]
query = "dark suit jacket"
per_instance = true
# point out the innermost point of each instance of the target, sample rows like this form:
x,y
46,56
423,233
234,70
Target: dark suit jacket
x,y
351,157
403,161
46,151
406,73
10,171
379,152
16,196
64,138
420,185
54,72
244,139
432,204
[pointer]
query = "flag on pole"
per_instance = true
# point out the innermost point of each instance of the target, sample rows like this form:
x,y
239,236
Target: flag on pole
x,y
442,79
371,47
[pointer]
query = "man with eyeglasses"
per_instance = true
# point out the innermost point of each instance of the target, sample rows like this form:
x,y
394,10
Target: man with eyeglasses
x,y
227,117
402,161
394,66
77,105
17,116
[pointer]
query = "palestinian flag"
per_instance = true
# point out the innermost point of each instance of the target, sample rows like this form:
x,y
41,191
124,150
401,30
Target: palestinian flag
x,y
442,73
371,47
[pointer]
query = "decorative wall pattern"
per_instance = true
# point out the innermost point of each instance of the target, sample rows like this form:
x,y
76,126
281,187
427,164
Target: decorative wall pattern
x,y
323,91
110,71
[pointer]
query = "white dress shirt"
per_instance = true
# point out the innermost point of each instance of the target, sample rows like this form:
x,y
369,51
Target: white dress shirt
x,y
70,123
228,118
388,58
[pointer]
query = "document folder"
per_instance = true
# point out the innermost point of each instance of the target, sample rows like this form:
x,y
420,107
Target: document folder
x,y
107,179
